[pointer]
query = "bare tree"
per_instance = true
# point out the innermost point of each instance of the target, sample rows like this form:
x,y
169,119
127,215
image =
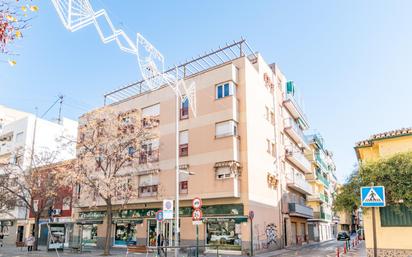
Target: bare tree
x,y
109,144
34,187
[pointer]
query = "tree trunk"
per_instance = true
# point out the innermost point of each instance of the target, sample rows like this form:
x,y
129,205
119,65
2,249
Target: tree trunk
x,y
109,212
36,231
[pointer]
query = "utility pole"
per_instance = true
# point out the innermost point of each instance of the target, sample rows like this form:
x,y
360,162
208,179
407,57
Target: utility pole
x,y
59,119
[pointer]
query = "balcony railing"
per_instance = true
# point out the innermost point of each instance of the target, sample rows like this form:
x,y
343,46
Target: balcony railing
x,y
300,210
293,106
297,181
295,155
320,160
295,131
148,191
321,216
321,178
317,197
149,156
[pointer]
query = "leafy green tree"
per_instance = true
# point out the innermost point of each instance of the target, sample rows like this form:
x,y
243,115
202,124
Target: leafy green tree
x,y
394,173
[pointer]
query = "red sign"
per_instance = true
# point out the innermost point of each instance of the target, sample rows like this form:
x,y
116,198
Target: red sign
x,y
197,203
251,215
197,214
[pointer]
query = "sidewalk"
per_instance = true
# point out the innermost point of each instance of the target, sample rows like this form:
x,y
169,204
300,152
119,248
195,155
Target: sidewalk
x,y
17,252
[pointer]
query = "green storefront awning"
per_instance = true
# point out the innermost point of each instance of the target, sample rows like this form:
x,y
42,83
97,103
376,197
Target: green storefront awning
x,y
237,219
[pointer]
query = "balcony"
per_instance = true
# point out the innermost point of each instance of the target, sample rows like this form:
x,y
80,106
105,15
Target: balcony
x,y
320,160
295,132
292,105
317,197
297,181
321,216
300,210
148,156
322,179
295,156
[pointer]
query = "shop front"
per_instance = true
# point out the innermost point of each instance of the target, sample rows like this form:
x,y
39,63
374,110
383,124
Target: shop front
x,y
224,232
222,227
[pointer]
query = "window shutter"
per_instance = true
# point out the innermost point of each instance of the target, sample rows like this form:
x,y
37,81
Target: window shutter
x,y
153,110
224,128
184,137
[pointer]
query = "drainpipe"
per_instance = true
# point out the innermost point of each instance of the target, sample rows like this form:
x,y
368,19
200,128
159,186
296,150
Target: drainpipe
x,y
277,162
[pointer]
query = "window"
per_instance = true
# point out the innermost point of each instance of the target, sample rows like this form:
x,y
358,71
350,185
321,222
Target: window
x,y
183,188
223,172
149,152
273,150
184,109
19,137
148,185
66,203
272,118
131,150
184,143
151,116
226,128
183,181
225,89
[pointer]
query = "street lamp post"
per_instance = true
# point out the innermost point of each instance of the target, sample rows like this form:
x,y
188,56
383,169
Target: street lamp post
x,y
177,178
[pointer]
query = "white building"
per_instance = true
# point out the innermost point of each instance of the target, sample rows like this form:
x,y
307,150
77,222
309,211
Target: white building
x,y
19,132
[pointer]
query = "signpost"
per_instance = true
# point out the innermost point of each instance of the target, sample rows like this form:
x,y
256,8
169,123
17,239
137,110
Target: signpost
x,y
168,209
197,216
159,216
373,196
251,216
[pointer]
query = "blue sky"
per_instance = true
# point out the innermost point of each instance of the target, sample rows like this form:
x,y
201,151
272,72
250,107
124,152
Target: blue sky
x,y
350,59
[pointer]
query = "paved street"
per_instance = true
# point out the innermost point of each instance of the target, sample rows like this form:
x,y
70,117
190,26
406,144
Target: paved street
x,y
326,249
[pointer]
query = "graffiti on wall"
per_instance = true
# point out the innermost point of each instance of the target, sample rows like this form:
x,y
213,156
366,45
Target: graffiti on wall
x,y
271,234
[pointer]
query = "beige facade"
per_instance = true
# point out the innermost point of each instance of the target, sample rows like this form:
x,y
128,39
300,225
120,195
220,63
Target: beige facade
x,y
246,149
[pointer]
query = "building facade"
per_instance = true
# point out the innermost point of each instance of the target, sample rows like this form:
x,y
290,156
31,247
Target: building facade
x,y
17,137
245,146
323,182
393,227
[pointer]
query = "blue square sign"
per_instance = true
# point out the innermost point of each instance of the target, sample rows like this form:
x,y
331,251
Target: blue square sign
x,y
373,196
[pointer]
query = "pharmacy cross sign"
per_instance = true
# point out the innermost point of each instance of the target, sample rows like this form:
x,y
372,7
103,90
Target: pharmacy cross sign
x,y
373,196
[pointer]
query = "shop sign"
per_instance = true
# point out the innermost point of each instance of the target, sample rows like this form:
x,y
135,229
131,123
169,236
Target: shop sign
x,y
237,220
92,215
128,221
6,223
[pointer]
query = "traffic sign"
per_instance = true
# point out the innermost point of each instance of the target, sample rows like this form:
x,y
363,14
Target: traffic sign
x,y
251,215
197,222
197,215
197,203
373,196
159,215
167,209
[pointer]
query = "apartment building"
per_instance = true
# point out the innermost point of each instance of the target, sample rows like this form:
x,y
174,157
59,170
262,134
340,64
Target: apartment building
x,y
16,140
245,147
323,181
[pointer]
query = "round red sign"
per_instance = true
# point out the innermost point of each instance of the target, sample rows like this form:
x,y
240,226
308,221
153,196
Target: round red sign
x,y
197,203
197,214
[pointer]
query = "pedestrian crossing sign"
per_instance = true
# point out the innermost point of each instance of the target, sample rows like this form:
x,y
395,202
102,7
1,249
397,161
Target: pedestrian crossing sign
x,y
373,196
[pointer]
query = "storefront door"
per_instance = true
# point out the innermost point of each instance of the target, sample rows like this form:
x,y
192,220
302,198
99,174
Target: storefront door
x,y
125,234
225,232
167,230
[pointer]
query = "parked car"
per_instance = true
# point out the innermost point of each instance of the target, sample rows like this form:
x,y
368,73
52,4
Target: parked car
x,y
343,235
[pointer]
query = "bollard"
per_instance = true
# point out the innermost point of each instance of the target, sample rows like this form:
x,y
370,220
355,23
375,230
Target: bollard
x,y
337,252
